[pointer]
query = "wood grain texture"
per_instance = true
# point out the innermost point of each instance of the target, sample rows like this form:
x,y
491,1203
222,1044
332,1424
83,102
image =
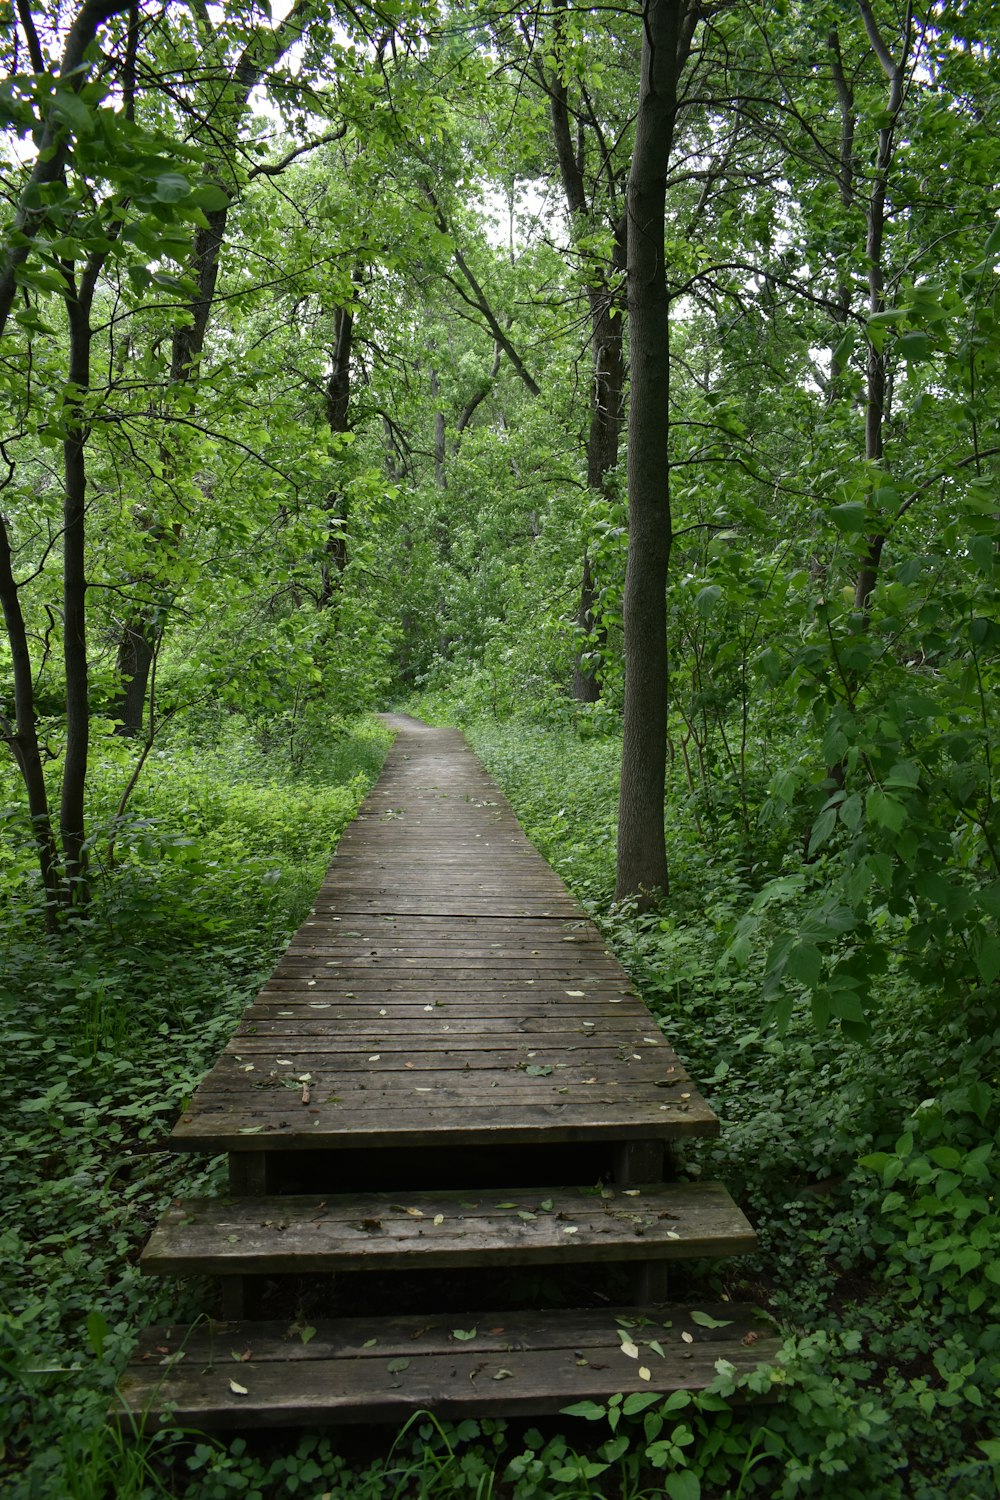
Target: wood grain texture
x,y
381,1370
379,1231
445,989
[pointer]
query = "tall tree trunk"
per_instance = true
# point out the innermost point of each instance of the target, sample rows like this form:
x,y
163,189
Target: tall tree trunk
x,y
668,27
71,811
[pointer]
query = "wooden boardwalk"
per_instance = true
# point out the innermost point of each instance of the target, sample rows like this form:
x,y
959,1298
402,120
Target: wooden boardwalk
x,y
446,995
446,989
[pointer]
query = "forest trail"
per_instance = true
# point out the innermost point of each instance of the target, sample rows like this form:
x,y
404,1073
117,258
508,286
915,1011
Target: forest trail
x,y
443,1063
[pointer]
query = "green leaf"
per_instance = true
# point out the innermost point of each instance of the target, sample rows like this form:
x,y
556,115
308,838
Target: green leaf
x,y
988,959
915,347
850,517
983,551
68,106
588,1410
211,197
682,1486
706,599
640,1401
885,811
97,1331
705,1320
822,828
804,963
171,186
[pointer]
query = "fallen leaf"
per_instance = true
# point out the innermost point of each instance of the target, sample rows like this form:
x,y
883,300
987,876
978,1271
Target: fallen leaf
x,y
547,1205
439,1218
396,1366
576,994
645,1373
632,1350
284,1062
463,1334
705,1320
369,1344
503,1375
415,1213
536,1070
687,1337
631,1192
375,1057
237,1389
572,1229
523,1213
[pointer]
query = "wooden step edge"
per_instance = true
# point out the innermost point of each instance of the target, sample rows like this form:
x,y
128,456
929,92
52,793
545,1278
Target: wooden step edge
x,y
208,1134
238,1375
512,1227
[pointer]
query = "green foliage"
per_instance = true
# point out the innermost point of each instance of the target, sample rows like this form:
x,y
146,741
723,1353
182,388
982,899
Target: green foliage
x,y
106,1030
878,1252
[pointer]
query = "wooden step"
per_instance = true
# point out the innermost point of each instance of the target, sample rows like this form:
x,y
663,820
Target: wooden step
x,y
379,1231
239,1375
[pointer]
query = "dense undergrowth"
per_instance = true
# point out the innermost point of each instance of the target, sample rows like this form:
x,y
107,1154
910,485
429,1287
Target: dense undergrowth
x,y
869,1169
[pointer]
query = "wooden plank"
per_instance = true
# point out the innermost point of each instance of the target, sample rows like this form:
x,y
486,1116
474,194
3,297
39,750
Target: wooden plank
x,y
512,1227
382,1370
473,1125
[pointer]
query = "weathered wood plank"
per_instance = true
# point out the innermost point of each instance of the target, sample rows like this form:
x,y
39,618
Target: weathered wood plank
x,y
381,1370
377,1231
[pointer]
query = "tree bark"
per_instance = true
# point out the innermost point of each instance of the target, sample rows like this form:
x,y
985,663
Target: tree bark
x,y
22,735
668,26
338,401
605,332
75,665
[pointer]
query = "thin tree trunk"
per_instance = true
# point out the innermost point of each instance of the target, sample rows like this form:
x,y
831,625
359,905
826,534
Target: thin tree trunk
x,y
338,402
875,371
22,735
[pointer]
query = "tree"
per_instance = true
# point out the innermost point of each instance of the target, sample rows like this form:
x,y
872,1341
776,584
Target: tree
x,y
668,32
